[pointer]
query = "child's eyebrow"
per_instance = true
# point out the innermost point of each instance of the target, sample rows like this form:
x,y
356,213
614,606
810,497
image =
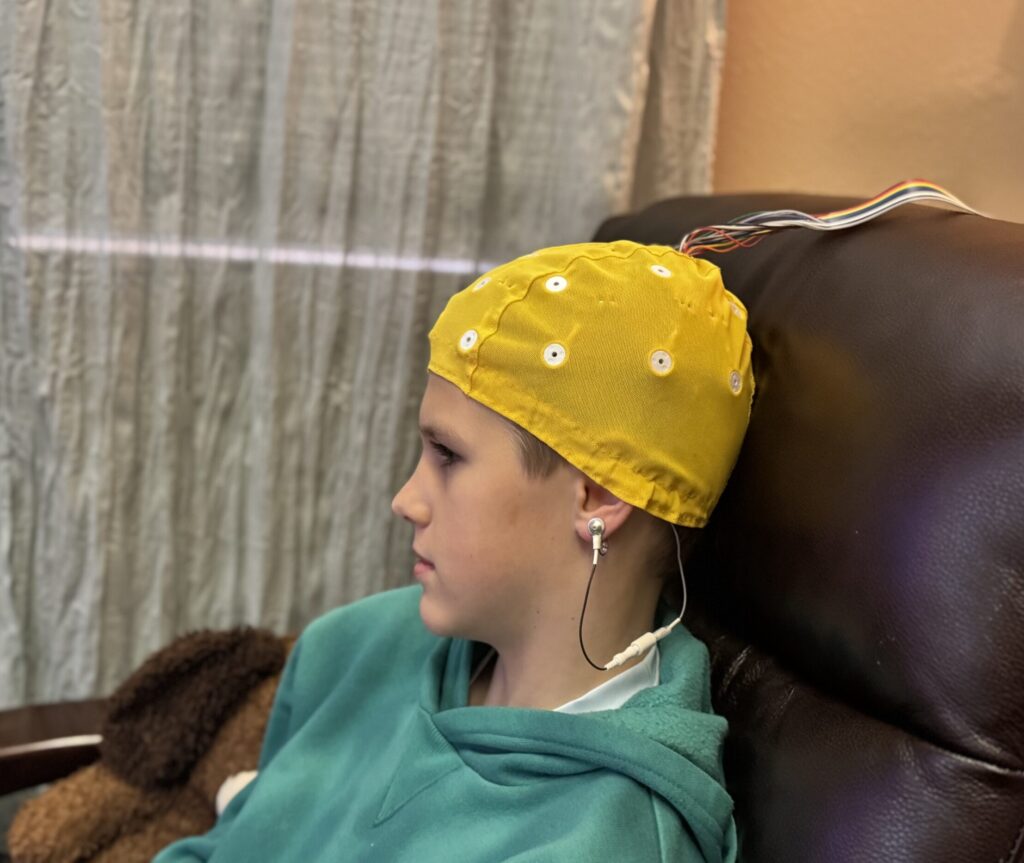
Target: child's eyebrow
x,y
440,434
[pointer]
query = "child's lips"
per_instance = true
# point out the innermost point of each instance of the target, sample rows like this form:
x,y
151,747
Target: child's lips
x,y
422,566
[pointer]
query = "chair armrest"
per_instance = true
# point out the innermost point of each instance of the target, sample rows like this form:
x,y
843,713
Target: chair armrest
x,y
45,742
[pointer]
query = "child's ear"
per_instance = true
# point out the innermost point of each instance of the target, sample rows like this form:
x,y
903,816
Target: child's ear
x,y
595,501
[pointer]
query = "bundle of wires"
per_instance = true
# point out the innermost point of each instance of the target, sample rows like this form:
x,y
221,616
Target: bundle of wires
x,y
750,229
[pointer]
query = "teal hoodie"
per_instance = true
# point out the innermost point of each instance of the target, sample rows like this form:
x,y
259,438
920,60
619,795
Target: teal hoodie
x,y
371,754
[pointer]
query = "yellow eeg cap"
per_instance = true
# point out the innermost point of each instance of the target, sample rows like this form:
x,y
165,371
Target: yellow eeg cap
x,y
632,362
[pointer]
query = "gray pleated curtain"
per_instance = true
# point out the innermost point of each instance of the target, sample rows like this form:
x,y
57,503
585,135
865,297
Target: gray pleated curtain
x,y
225,231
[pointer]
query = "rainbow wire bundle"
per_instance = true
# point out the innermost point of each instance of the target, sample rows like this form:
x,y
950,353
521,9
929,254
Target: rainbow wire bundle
x,y
750,229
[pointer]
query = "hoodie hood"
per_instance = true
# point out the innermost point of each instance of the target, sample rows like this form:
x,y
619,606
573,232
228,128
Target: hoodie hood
x,y
665,738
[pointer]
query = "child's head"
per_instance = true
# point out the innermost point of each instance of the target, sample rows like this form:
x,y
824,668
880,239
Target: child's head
x,y
596,379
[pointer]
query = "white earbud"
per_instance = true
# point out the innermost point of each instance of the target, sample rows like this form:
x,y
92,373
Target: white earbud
x,y
596,528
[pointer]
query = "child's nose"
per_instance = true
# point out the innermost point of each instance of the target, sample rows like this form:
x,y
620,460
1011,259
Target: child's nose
x,y
407,504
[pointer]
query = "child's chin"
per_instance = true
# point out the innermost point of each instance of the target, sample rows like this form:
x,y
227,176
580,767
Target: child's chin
x,y
441,622
434,619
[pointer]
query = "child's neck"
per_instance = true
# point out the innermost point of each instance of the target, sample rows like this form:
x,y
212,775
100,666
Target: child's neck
x,y
547,679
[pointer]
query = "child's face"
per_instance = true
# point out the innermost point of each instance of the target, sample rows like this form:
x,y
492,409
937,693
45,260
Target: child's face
x,y
498,539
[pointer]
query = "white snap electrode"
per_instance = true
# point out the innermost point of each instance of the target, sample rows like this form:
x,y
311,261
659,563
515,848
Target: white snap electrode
x,y
661,362
554,355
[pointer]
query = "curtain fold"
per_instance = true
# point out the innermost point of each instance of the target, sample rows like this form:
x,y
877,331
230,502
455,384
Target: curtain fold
x,y
225,231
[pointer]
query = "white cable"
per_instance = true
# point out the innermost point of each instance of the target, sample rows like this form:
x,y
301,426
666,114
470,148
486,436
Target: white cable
x,y
649,639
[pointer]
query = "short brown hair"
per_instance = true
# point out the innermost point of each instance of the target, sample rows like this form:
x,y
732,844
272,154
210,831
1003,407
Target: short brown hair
x,y
539,461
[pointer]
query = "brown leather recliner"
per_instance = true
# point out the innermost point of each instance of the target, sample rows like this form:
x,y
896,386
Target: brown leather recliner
x,y
861,583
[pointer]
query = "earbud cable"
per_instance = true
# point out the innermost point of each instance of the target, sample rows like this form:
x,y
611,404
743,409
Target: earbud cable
x,y
648,639
586,596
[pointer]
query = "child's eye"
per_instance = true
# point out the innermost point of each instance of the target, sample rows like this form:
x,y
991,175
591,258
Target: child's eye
x,y
444,452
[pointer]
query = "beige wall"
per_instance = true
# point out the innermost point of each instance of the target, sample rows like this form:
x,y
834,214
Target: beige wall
x,y
849,97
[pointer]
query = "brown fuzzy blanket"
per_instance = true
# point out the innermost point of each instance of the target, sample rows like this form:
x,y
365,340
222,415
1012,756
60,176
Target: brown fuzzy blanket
x,y
191,716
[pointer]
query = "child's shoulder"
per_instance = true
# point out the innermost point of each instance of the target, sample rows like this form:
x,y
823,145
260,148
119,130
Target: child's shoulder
x,y
342,657
379,635
382,611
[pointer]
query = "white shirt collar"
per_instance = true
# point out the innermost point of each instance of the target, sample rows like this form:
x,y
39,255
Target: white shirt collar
x,y
617,691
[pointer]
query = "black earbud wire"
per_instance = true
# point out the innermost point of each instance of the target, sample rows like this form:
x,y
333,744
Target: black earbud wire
x,y
583,612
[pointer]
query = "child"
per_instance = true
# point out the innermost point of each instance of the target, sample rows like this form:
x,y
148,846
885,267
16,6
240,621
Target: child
x,y
577,399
